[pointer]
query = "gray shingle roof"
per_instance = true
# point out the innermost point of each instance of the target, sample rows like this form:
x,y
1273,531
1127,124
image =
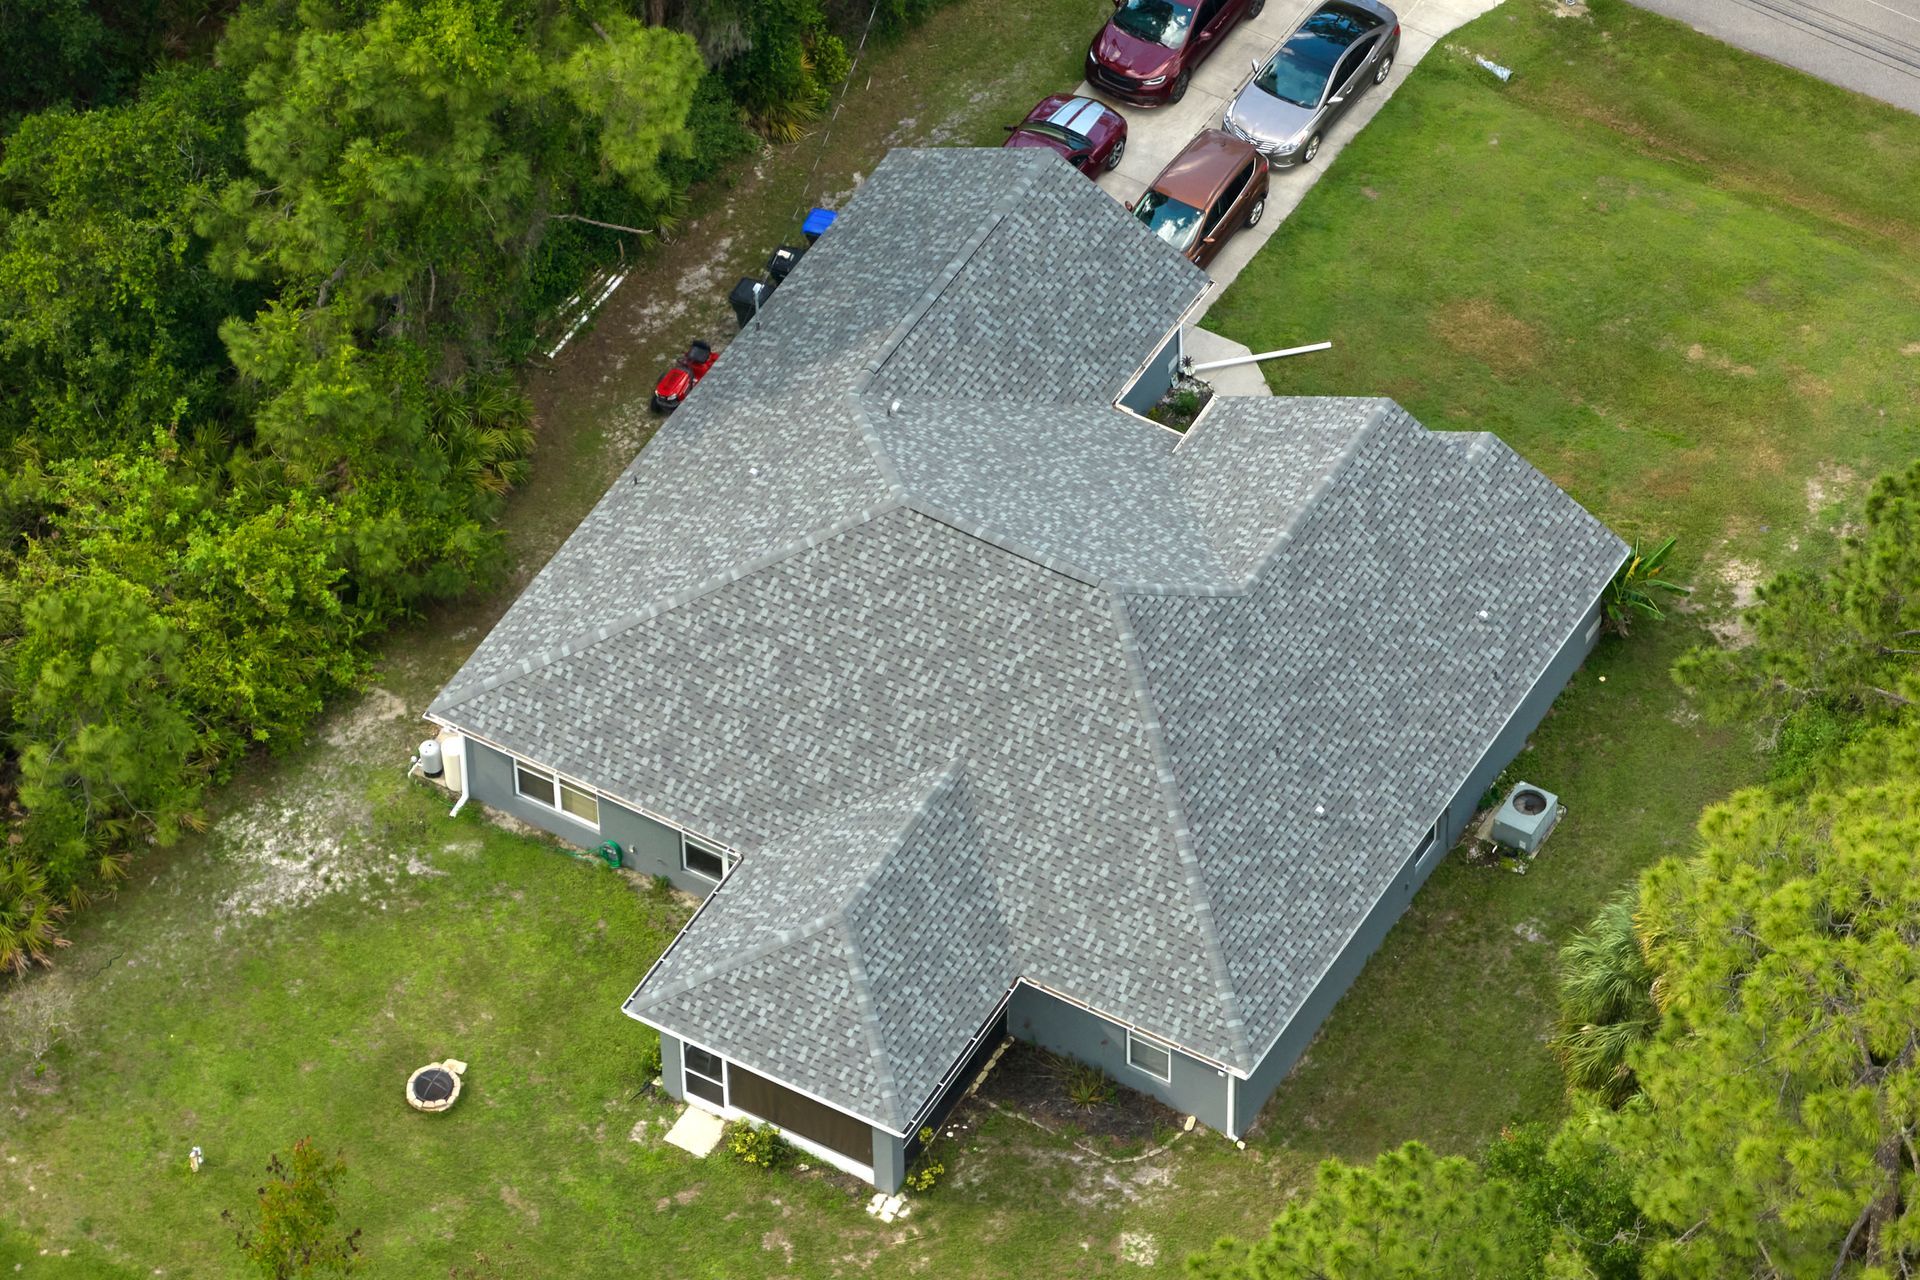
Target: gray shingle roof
x,y
878,923
989,680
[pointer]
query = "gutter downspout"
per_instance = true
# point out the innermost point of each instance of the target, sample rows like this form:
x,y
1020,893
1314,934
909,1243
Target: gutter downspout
x,y
466,779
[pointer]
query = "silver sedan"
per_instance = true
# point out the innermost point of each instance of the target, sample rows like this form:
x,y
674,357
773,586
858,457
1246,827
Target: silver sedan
x,y
1335,55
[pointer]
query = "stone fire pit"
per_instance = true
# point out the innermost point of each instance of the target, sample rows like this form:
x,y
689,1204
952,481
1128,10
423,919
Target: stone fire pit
x,y
435,1086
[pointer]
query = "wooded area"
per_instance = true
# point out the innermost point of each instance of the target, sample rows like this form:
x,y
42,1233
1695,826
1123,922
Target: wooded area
x,y
266,273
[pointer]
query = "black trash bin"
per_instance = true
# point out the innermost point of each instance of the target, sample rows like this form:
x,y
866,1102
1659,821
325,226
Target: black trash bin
x,y
784,260
748,297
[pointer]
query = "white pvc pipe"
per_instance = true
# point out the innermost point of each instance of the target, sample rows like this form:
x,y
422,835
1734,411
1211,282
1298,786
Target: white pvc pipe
x,y
466,778
1264,355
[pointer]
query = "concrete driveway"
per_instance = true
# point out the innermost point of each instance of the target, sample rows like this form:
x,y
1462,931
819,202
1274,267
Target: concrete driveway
x,y
1869,46
1156,134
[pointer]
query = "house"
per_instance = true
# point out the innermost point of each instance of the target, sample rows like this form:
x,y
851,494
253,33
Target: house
x,y
977,704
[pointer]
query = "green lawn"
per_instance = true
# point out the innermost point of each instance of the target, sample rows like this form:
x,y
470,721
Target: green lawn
x,y
1635,262
1684,283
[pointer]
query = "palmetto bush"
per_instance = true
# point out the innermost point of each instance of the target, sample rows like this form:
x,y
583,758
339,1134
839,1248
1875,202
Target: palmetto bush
x,y
29,916
1606,1003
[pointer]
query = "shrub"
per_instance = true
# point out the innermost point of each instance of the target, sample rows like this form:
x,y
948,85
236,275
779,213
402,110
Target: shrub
x,y
650,1064
1636,589
294,1234
759,1144
928,1173
1089,1087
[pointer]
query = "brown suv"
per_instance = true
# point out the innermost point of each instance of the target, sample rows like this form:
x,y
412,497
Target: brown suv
x,y
1215,186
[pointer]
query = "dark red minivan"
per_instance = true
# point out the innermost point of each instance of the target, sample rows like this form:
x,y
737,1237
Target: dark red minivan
x,y
1147,52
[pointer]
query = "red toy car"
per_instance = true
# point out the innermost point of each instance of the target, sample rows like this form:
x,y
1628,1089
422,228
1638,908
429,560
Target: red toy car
x,y
1091,135
671,390
1148,50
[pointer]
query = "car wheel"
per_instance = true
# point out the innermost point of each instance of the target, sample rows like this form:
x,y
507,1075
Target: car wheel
x,y
1312,149
1179,89
1258,212
1385,70
1113,157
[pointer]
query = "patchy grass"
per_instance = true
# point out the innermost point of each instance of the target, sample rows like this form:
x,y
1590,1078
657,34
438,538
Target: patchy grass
x,y
1682,282
1638,262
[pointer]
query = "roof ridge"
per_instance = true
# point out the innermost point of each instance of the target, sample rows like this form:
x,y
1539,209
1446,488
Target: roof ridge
x,y
998,214
666,604
791,935
1382,407
1224,991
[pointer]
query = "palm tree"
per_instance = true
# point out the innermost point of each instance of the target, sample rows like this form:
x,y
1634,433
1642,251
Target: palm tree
x,y
1606,1003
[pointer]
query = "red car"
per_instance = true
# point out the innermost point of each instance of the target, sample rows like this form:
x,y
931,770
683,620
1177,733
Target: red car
x,y
1147,52
1091,135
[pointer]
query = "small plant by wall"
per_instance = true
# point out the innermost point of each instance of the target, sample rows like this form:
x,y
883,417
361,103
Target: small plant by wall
x,y
927,1173
1089,1087
759,1144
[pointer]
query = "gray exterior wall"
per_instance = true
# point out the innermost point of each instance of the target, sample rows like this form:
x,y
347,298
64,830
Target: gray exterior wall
x,y
889,1153
889,1161
1272,1069
1157,377
670,1077
1197,1088
648,847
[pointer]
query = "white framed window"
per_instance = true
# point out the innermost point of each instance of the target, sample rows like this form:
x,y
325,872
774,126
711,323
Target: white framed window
x,y
702,861
556,793
1149,1056
703,1074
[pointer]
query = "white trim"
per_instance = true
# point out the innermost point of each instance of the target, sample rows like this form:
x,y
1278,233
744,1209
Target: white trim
x,y
727,1111
825,1155
560,785
841,1107
726,1090
727,860
1134,1038
652,815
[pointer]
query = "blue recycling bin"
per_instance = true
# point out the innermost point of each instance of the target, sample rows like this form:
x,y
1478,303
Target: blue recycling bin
x,y
816,224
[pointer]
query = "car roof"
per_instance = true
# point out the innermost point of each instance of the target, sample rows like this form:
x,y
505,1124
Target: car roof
x,y
1328,30
1203,167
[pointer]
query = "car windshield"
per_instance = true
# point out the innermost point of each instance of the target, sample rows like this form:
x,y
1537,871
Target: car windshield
x,y
1044,129
1172,220
1299,70
1161,21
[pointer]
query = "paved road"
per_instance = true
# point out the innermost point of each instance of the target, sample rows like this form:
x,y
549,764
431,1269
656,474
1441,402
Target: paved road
x,y
1870,46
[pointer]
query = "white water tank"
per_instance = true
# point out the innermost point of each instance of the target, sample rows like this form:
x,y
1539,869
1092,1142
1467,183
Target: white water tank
x,y
430,764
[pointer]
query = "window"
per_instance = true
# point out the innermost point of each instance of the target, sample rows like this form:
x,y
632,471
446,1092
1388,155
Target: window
x,y
1149,1056
547,789
533,784
705,1074
702,862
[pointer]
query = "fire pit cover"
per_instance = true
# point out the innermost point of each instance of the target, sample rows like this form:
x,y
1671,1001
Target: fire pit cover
x,y
435,1086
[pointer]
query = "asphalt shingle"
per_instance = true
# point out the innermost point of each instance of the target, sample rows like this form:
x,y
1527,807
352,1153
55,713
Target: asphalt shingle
x,y
987,679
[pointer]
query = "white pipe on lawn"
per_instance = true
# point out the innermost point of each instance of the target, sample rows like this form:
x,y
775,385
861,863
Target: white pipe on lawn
x,y
1264,355
584,316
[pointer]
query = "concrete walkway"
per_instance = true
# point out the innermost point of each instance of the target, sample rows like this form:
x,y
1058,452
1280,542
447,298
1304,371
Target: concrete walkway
x,y
1156,134
1869,46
